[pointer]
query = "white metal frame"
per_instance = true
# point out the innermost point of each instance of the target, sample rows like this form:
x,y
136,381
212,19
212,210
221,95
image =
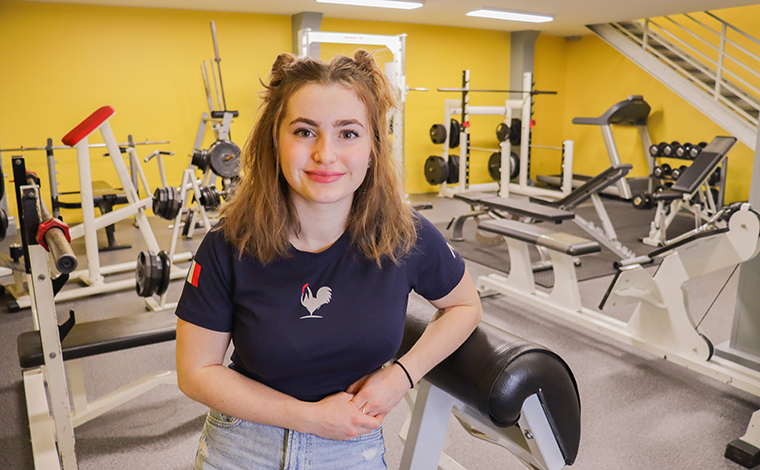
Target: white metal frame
x,y
662,323
511,108
51,420
531,440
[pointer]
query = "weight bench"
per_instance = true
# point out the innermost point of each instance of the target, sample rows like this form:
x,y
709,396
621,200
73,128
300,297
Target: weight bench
x,y
105,197
502,389
556,210
691,191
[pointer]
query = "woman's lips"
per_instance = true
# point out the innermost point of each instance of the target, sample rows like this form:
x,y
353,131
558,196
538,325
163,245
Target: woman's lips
x,y
324,176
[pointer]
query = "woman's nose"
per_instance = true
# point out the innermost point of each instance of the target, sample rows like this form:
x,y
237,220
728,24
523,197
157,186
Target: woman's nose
x,y
324,151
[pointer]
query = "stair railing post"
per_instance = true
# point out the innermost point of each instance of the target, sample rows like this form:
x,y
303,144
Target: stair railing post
x,y
721,52
645,37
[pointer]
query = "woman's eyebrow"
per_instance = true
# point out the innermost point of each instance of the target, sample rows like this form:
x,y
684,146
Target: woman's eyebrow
x,y
347,122
304,120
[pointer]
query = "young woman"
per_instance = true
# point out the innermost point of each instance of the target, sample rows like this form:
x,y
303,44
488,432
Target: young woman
x,y
308,274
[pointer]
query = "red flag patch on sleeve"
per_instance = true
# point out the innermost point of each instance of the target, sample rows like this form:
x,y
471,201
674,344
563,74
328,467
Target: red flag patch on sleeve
x,y
194,273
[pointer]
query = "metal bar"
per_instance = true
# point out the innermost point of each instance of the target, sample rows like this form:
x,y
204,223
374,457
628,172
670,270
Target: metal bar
x,y
734,28
721,51
218,63
66,147
207,87
482,90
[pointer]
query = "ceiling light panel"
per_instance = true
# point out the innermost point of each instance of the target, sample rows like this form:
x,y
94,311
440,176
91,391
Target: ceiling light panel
x,y
376,3
510,16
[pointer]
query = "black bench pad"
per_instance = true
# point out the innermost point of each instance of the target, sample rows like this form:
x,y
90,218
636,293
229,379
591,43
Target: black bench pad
x,y
537,235
103,336
518,207
494,372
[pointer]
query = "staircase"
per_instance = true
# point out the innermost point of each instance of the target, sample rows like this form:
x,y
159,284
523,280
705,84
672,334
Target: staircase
x,y
705,60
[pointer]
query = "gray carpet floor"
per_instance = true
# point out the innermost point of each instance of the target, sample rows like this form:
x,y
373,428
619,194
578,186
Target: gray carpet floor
x,y
638,411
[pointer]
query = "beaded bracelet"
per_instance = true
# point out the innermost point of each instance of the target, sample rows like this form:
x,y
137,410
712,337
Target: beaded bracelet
x,y
411,383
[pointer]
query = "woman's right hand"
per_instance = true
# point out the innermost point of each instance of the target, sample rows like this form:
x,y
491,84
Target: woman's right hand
x,y
337,417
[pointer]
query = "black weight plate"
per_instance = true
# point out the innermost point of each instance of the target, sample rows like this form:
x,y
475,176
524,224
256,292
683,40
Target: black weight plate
x,y
438,133
200,159
494,164
453,176
436,170
166,272
515,132
224,158
502,132
514,165
3,223
144,275
454,132
175,200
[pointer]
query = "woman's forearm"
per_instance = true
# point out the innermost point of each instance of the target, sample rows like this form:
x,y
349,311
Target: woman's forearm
x,y
234,394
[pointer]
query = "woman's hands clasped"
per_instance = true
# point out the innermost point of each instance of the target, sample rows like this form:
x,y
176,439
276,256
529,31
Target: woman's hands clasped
x,y
379,392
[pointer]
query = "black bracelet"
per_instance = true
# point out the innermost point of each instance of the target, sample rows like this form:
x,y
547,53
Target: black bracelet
x,y
411,383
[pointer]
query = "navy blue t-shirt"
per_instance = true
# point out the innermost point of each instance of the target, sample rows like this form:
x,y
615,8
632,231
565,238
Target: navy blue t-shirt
x,y
312,324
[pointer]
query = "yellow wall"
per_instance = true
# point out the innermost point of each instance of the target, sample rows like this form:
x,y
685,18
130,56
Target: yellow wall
x,y
61,62
66,60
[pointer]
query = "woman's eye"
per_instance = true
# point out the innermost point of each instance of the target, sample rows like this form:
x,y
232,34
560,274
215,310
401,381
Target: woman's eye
x,y
349,134
302,132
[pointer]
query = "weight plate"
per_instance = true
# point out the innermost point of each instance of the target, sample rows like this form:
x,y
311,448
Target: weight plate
x,y
438,133
210,198
3,223
453,176
515,132
165,272
436,170
144,275
502,132
224,158
494,163
514,165
454,133
200,159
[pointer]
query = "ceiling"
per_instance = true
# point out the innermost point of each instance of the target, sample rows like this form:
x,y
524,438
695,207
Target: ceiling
x,y
570,16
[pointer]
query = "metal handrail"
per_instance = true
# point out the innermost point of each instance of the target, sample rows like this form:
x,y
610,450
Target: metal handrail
x,y
723,70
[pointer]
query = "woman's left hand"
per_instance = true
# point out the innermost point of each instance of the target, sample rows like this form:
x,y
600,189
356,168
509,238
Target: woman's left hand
x,y
380,391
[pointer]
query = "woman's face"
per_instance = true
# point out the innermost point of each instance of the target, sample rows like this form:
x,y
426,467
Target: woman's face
x,y
324,144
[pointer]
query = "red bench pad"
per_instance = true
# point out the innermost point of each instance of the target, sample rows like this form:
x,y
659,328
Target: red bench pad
x,y
88,126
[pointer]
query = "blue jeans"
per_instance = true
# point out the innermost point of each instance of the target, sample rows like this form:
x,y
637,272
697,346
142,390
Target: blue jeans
x,y
229,443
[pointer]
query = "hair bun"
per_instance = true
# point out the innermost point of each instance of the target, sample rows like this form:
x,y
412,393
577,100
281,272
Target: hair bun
x,y
281,64
365,60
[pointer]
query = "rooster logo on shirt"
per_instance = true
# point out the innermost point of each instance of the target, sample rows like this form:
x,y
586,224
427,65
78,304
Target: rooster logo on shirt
x,y
312,303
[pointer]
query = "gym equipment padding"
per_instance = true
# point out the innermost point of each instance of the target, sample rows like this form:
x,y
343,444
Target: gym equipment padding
x,y
494,372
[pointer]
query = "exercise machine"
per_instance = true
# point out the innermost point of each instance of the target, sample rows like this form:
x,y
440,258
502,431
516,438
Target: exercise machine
x,y
93,277
692,191
633,111
50,355
511,110
554,211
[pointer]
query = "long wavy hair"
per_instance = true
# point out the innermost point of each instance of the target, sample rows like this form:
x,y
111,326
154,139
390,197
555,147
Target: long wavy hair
x,y
260,219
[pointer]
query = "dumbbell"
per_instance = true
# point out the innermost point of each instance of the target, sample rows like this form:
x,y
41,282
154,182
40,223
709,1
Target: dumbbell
x,y
677,172
642,201
167,202
670,149
683,150
661,171
696,150
655,150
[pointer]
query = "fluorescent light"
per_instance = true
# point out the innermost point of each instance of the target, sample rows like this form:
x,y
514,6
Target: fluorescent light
x,y
509,16
376,3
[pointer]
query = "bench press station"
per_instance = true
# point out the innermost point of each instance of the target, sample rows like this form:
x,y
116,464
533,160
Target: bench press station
x,y
556,210
691,191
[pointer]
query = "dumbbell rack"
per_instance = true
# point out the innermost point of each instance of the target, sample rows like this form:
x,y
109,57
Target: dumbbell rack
x,y
667,175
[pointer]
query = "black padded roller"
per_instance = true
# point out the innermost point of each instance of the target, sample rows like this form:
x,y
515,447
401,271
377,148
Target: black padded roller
x,y
494,372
